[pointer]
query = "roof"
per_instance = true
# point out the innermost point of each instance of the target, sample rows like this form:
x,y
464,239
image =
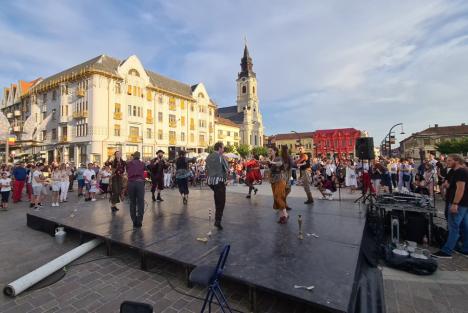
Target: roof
x,y
442,131
26,85
331,131
292,136
110,65
170,84
231,114
225,121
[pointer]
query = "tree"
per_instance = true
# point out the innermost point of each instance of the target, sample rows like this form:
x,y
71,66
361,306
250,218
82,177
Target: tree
x,y
243,150
210,149
453,146
228,149
258,151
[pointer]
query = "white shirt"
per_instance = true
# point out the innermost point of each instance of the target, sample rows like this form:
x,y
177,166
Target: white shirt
x,y
35,176
330,169
87,174
5,181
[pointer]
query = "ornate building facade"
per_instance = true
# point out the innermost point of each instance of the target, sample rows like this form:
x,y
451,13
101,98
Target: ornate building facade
x,y
246,113
89,111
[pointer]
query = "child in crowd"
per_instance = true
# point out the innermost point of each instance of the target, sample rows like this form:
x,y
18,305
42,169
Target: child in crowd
x,y
94,188
5,188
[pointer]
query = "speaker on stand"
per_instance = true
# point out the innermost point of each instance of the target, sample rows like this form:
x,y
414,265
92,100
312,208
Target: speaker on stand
x,y
365,151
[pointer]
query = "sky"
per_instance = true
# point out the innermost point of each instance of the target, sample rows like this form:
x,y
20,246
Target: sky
x,y
319,64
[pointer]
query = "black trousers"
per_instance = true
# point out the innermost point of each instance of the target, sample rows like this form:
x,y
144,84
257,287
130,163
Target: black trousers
x,y
220,199
136,195
182,183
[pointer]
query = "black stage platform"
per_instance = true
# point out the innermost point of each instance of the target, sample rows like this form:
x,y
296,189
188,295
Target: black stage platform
x,y
264,254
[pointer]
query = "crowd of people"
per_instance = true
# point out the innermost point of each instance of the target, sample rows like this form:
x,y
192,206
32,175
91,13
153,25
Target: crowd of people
x,y
118,178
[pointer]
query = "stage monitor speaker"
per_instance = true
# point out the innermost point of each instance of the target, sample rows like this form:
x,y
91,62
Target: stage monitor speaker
x,y
365,148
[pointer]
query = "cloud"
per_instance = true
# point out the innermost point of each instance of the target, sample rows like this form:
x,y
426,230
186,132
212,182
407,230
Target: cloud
x,y
319,64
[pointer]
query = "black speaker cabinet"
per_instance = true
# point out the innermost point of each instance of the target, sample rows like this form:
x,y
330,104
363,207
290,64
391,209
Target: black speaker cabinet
x,y
365,148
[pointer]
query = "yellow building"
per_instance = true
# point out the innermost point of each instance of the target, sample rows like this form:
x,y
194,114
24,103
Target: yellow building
x,y
227,132
293,140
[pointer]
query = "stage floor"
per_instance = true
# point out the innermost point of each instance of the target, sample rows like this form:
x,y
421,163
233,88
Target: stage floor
x,y
263,254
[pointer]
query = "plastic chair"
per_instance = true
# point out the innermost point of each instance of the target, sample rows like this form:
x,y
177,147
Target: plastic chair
x,y
135,307
208,276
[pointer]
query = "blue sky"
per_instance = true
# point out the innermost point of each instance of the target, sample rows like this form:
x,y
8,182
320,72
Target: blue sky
x,y
319,64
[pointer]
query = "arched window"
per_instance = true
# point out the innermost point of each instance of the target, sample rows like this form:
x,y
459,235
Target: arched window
x,y
253,89
133,72
201,95
244,89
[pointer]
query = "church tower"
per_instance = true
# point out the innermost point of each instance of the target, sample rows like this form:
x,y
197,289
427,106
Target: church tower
x,y
251,132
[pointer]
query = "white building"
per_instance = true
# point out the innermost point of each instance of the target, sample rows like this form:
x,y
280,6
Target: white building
x,y
89,111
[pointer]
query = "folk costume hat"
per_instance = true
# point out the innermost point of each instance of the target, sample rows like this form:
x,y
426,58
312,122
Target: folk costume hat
x,y
159,151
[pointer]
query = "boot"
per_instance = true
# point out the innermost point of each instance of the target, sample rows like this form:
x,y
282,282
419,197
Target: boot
x,y
217,224
310,200
153,197
159,197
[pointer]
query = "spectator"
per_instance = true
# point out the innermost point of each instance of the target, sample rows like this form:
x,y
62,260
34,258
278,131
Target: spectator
x,y
5,188
19,179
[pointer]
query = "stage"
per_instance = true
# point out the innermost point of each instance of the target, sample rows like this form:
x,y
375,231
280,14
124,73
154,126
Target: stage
x,y
264,255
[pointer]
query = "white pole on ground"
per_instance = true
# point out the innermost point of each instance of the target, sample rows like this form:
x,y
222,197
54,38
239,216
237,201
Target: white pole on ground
x,y
21,284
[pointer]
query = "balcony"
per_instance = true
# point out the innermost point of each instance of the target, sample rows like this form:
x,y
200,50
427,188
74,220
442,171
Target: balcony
x,y
17,113
9,115
149,120
117,115
16,129
80,92
135,139
63,139
80,114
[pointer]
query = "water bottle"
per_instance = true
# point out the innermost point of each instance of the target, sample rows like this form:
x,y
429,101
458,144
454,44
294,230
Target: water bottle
x,y
60,235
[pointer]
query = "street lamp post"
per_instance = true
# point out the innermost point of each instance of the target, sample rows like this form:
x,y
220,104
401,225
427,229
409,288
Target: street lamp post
x,y
389,138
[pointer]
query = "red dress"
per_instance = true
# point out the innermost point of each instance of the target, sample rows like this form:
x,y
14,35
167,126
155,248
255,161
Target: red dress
x,y
253,171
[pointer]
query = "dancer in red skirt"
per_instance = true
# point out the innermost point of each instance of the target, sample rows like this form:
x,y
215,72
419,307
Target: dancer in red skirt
x,y
253,174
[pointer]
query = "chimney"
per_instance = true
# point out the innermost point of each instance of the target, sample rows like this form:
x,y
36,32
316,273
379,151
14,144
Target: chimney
x,y
436,125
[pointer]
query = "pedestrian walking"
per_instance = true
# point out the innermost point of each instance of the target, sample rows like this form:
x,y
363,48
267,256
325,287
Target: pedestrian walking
x,y
136,189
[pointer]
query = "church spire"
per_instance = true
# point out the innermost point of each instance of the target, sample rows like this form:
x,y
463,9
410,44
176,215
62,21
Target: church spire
x,y
246,64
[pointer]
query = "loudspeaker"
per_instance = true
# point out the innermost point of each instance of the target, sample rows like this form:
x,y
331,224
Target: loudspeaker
x,y
365,148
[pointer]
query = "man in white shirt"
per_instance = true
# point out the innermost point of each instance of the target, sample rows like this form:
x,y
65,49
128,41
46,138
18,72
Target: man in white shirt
x,y
87,175
330,168
37,184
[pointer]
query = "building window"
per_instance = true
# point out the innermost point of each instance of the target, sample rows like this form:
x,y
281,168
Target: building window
x,y
192,137
201,140
149,95
117,130
202,123
117,88
129,90
220,132
160,117
172,104
134,132
148,133
160,134
44,135
172,120
160,99
182,120
192,108
117,108
54,133
253,89
182,136
134,111
129,110
133,72
182,104
229,133
192,124
244,89
54,95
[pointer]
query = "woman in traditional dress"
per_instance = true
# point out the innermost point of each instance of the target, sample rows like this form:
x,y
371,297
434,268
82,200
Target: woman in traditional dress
x,y
116,183
252,175
182,175
351,180
278,184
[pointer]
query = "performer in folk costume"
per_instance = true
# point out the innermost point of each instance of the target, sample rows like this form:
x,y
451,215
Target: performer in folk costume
x,y
117,180
253,174
303,163
217,169
278,183
287,171
156,169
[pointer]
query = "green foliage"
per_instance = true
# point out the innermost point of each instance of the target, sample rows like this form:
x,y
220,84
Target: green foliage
x,y
243,150
229,149
453,146
259,151
210,149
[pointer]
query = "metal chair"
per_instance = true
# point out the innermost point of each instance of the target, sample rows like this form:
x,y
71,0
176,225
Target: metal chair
x,y
208,276
135,307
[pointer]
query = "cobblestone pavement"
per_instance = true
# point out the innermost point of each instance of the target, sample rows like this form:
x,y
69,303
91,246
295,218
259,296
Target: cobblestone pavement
x,y
101,285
